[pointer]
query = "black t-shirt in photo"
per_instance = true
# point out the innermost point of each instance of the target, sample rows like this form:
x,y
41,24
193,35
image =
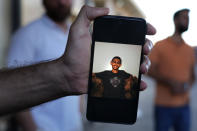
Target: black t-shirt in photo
x,y
113,83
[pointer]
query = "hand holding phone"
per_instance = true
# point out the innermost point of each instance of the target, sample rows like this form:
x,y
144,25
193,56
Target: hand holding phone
x,y
78,46
114,78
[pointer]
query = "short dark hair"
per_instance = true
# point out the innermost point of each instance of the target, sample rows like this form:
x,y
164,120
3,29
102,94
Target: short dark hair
x,y
177,13
117,57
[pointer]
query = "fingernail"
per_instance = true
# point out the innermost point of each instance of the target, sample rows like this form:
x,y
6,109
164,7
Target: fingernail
x,y
149,63
147,67
150,45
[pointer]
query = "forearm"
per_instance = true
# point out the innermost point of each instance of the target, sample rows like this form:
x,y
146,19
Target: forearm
x,y
176,87
154,73
29,86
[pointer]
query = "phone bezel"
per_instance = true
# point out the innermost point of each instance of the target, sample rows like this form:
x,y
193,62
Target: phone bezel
x,y
101,33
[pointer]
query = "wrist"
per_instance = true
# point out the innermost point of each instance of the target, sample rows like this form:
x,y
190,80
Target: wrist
x,y
55,73
65,79
76,78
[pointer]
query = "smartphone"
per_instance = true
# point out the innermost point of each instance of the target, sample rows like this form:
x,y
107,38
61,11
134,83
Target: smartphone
x,y
114,78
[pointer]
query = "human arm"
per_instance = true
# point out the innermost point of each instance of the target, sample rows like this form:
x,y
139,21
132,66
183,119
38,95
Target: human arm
x,y
33,85
25,87
127,87
193,76
29,86
130,87
22,52
176,87
97,88
156,71
173,85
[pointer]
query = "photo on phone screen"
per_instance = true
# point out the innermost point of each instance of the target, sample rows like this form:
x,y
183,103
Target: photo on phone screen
x,y
115,70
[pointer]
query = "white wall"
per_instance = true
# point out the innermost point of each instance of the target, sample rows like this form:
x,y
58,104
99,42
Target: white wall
x,y
130,55
31,10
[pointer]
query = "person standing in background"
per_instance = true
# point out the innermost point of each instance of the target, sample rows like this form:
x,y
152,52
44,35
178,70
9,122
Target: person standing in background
x,y
45,39
172,66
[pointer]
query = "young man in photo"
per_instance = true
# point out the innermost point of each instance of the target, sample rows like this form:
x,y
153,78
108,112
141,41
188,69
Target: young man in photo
x,y
115,83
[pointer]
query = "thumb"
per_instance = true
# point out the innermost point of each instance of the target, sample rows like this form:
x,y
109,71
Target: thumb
x,y
87,14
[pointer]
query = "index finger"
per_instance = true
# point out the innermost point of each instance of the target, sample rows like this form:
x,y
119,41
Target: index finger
x,y
150,29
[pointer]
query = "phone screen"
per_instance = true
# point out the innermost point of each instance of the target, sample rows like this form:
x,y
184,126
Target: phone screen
x,y
115,70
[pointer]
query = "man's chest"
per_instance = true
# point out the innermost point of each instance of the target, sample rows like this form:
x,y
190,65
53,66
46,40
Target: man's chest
x,y
114,81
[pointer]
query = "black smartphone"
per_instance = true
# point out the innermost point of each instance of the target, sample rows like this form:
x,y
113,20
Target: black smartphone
x,y
114,78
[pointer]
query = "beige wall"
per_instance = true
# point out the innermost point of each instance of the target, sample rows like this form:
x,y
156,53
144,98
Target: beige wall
x,y
30,10
5,28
